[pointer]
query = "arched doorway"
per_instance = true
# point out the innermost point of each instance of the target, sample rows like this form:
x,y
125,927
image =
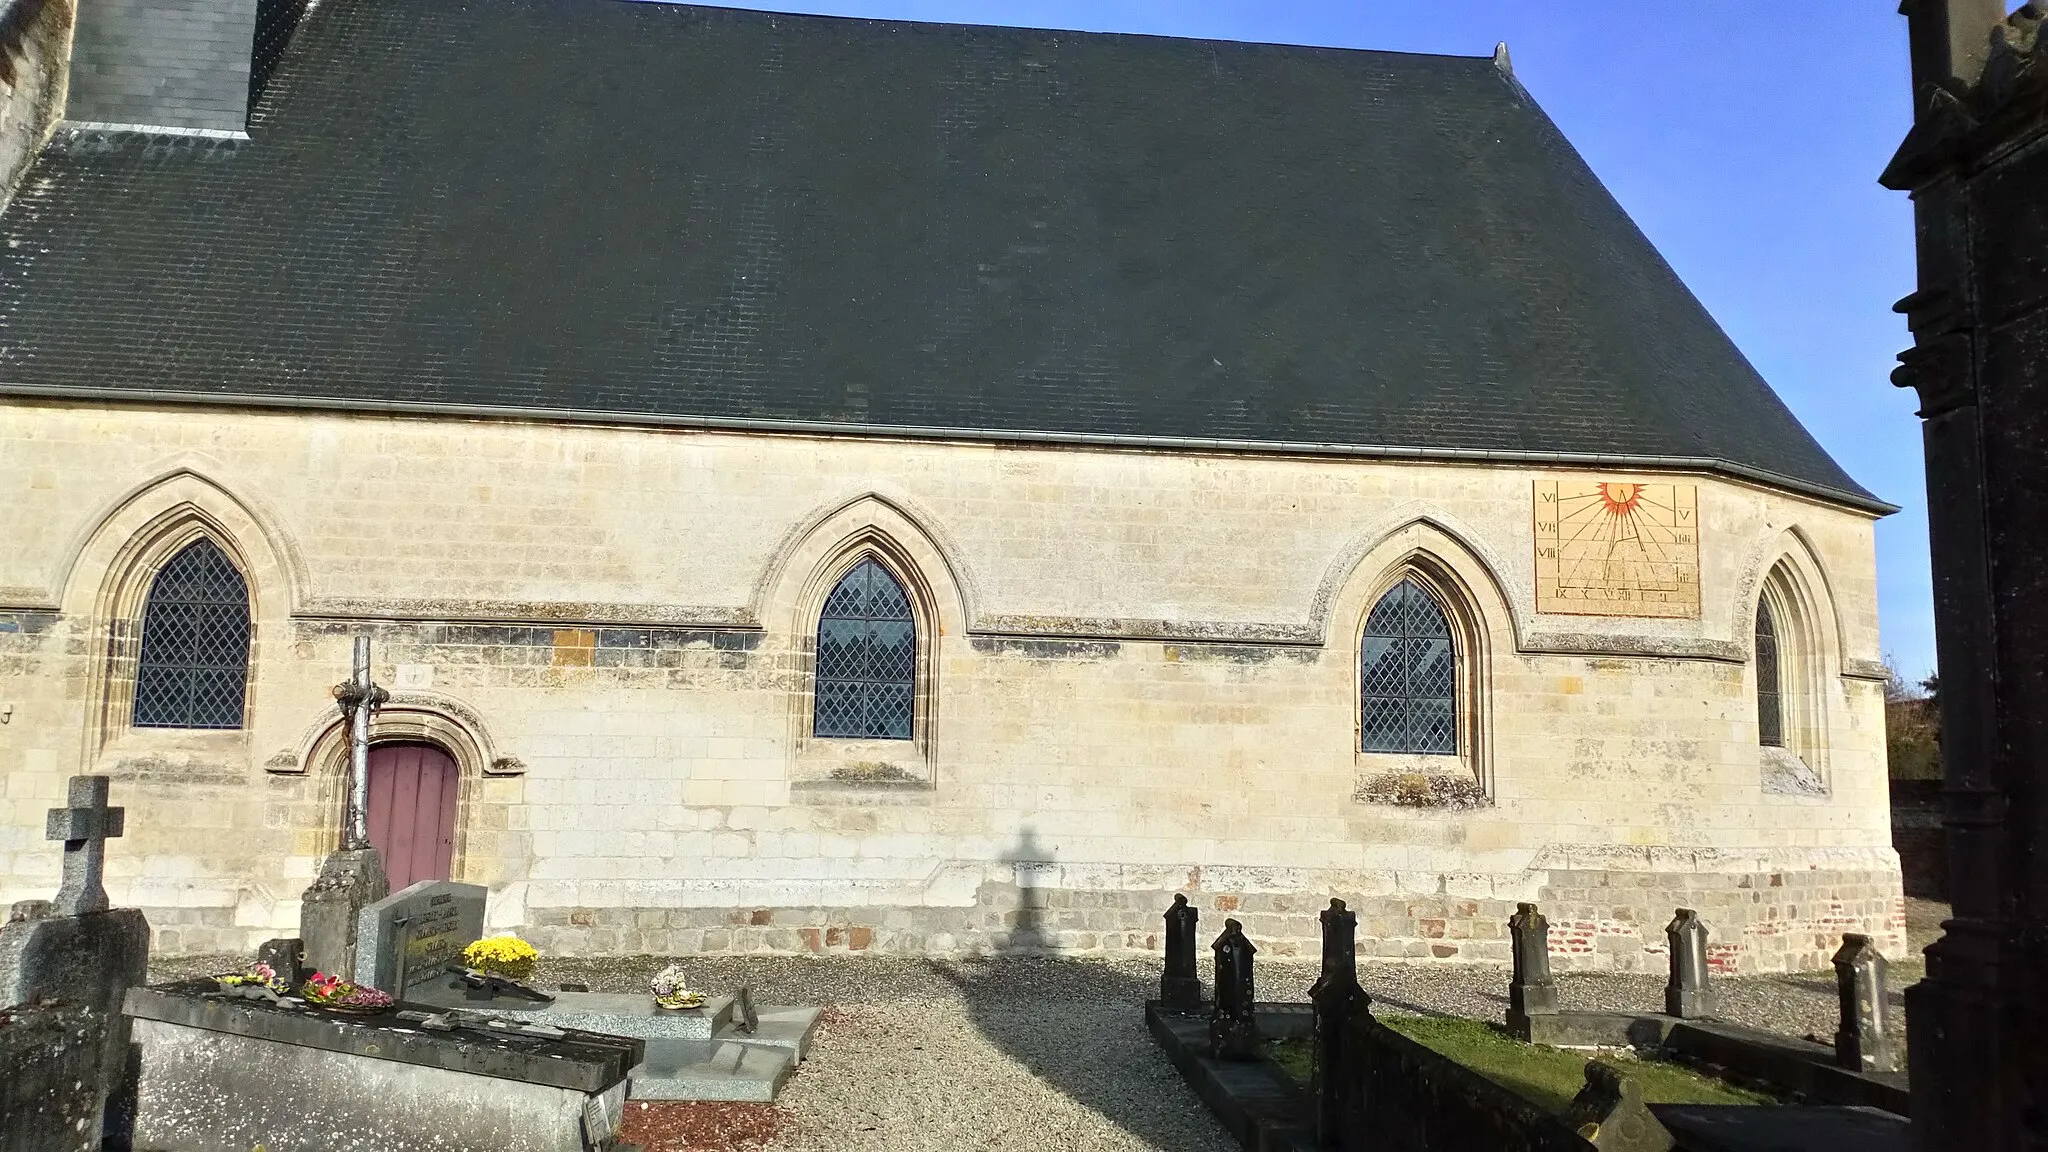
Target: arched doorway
x,y
412,811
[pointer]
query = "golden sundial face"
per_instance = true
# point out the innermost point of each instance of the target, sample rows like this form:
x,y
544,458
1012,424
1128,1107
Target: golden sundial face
x,y
1617,548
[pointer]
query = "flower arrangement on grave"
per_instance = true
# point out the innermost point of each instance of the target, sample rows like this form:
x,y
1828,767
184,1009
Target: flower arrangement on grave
x,y
257,975
672,991
506,956
332,992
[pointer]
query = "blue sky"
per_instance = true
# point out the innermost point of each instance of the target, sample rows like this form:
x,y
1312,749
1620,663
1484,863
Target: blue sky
x,y
1745,140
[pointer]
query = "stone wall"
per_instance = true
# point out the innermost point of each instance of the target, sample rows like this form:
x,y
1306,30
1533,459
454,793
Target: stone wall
x,y
50,1082
1138,675
35,65
1602,921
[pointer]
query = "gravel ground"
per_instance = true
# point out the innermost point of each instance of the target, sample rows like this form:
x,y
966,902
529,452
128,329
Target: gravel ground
x,y
1048,1053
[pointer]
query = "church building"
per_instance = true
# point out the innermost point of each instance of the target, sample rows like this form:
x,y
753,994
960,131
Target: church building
x,y
816,484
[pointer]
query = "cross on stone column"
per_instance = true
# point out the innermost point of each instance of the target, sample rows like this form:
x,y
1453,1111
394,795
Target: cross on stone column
x,y
84,828
358,696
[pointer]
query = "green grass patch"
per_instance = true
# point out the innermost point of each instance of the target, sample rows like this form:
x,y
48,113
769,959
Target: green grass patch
x,y
1552,1076
1547,1076
1297,1058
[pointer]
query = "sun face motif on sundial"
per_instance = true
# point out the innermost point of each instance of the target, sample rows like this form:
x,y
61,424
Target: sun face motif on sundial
x,y
1617,548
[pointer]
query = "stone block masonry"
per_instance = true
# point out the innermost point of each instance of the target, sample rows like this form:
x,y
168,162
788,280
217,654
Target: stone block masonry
x,y
46,1051
1780,922
1136,675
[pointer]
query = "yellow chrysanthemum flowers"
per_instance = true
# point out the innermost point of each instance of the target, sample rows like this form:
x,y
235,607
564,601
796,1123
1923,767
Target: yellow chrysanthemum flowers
x,y
506,956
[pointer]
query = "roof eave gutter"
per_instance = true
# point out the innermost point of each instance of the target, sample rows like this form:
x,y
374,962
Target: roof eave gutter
x,y
417,408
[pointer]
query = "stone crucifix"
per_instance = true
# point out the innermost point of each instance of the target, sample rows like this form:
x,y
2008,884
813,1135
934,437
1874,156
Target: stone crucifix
x,y
84,827
358,696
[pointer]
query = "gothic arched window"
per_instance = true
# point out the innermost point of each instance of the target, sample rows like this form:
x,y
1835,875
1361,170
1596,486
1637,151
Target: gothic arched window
x,y
867,658
195,643
1408,675
1770,702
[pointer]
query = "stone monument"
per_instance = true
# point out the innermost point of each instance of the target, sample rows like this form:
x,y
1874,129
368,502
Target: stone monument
x,y
1976,163
1233,1024
1180,989
1861,1043
1686,995
1533,991
77,949
353,876
1335,997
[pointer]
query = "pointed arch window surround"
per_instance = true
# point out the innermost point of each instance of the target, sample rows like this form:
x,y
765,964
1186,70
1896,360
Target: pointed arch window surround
x,y
866,682
194,667
1408,694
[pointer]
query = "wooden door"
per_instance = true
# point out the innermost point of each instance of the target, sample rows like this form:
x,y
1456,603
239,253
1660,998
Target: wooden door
x,y
412,811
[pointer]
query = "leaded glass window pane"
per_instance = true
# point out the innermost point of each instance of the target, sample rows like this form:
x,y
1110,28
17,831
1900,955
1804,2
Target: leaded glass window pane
x,y
195,643
1770,708
867,658
1407,675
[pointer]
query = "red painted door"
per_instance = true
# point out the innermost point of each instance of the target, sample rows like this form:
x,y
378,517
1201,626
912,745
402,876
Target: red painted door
x,y
412,811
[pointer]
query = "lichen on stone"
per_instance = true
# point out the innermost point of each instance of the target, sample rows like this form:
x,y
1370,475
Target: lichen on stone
x,y
1422,790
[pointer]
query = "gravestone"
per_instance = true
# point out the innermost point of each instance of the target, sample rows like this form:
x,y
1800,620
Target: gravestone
x,y
1233,1024
1686,995
1861,1040
1335,997
1180,989
74,948
1534,991
286,957
410,937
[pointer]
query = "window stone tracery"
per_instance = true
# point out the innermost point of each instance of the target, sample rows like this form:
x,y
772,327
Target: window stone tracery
x,y
1408,683
193,669
866,679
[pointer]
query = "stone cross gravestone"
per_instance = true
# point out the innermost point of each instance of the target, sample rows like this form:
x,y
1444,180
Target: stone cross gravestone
x,y
75,948
85,827
411,936
1233,1026
1179,987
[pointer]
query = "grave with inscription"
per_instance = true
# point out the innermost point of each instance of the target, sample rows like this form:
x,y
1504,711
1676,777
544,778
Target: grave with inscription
x,y
411,936
411,945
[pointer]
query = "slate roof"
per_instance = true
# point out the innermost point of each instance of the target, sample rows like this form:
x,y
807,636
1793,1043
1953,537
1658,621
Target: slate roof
x,y
645,211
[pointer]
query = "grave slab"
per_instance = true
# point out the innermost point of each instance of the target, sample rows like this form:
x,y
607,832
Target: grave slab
x,y
711,1070
1737,1128
236,1074
786,1028
619,1014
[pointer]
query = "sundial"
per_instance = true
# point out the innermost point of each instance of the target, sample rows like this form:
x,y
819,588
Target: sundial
x,y
1608,547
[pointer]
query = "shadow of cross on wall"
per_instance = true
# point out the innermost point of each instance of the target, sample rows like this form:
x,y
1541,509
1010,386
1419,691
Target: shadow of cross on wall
x,y
1026,928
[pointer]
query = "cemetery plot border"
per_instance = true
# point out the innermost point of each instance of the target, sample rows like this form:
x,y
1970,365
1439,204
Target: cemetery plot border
x,y
221,1072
